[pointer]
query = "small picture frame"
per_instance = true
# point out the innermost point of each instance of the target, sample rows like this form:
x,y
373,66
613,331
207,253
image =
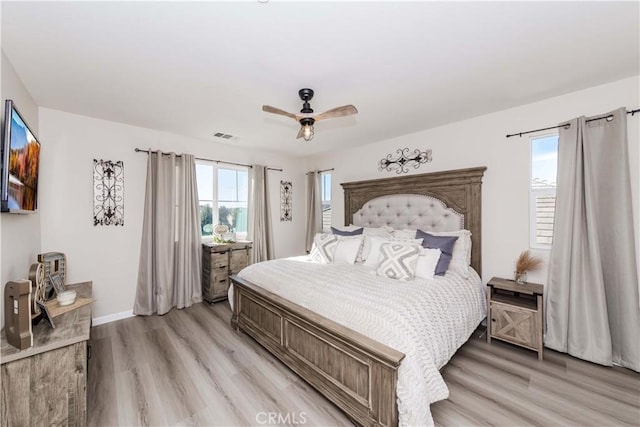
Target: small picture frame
x,y
46,314
57,282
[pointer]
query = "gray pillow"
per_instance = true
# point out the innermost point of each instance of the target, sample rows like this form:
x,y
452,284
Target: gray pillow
x,y
339,232
444,243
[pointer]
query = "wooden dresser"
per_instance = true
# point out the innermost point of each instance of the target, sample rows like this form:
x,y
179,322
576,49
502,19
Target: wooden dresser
x,y
46,384
219,261
514,313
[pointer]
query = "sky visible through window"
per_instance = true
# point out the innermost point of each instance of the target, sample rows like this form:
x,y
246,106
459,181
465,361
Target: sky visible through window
x,y
233,185
204,176
544,161
326,187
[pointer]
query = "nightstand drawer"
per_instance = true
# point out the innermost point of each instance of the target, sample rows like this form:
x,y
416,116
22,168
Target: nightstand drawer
x,y
220,260
514,324
220,286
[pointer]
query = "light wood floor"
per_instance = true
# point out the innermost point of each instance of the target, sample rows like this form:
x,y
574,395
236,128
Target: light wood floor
x,y
190,368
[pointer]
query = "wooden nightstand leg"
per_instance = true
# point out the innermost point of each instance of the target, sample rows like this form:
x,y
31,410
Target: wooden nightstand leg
x,y
540,327
488,314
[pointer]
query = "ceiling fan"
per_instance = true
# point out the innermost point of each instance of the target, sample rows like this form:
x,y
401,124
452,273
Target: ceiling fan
x,y
306,118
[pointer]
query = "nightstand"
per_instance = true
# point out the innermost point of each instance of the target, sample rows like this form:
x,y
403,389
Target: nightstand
x,y
514,313
219,261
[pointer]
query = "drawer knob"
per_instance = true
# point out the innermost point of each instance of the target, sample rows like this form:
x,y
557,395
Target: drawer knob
x,y
493,320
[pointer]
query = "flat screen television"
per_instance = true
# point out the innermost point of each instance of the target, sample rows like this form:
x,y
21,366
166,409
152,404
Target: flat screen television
x,y
20,163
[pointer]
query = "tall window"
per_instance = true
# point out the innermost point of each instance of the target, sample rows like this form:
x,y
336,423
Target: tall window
x,y
223,194
325,182
544,166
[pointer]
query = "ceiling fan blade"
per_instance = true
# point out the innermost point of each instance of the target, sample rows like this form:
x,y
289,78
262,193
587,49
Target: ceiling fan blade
x,y
274,110
345,110
300,135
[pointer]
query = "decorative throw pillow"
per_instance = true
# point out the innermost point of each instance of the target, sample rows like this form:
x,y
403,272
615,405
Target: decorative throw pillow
x,y
343,232
347,249
461,256
427,262
411,240
371,250
398,261
404,234
368,233
324,246
444,243
383,231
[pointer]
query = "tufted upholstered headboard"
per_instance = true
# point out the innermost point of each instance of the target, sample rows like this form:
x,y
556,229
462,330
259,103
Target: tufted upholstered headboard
x,y
408,211
438,201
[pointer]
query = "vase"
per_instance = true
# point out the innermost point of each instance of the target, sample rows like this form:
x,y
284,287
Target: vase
x,y
521,278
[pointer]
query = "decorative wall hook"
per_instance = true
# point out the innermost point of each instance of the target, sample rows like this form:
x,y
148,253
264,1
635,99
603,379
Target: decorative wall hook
x,y
404,160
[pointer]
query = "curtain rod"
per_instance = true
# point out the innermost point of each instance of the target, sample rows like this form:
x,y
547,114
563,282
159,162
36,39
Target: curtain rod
x,y
325,170
567,125
139,150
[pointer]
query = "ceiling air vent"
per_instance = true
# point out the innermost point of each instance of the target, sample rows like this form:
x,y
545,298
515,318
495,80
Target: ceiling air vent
x,y
225,136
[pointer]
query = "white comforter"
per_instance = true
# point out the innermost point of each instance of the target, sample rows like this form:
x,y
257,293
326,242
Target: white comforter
x,y
427,320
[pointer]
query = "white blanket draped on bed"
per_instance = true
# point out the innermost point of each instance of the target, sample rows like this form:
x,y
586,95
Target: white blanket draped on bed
x,y
427,320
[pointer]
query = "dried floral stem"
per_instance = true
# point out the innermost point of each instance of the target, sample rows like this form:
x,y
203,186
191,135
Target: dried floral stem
x,y
527,262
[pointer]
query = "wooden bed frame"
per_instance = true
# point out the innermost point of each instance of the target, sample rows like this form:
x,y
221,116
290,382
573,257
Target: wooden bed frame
x,y
356,373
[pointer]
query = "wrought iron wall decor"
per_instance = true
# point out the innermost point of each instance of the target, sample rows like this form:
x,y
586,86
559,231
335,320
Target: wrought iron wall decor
x,y
286,203
404,160
108,192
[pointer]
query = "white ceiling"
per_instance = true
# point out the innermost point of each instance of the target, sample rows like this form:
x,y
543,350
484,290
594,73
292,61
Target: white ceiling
x,y
205,67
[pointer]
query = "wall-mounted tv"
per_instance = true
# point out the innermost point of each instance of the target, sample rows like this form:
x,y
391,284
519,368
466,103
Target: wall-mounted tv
x,y
20,163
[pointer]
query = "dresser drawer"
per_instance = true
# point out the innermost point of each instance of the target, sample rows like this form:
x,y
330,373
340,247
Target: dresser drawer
x,y
220,286
215,260
219,260
518,325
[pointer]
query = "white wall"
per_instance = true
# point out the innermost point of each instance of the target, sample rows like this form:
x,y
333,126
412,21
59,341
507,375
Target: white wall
x,y
481,142
109,255
20,233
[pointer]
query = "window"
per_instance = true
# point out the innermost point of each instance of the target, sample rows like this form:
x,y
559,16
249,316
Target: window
x,y
325,188
223,194
544,166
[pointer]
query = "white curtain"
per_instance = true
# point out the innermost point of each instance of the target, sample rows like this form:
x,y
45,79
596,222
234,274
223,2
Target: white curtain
x,y
592,309
259,227
170,255
314,208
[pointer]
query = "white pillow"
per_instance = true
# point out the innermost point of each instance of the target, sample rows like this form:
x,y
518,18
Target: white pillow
x,y
372,255
368,232
411,240
324,247
383,231
461,256
427,262
398,260
348,228
404,234
347,249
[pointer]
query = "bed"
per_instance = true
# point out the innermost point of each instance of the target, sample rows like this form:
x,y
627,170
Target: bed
x,y
366,377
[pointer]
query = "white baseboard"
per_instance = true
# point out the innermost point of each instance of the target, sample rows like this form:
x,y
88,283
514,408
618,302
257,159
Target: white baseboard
x,y
111,317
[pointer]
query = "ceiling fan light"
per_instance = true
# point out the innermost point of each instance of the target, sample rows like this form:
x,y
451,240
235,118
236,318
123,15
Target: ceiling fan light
x,y
307,132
